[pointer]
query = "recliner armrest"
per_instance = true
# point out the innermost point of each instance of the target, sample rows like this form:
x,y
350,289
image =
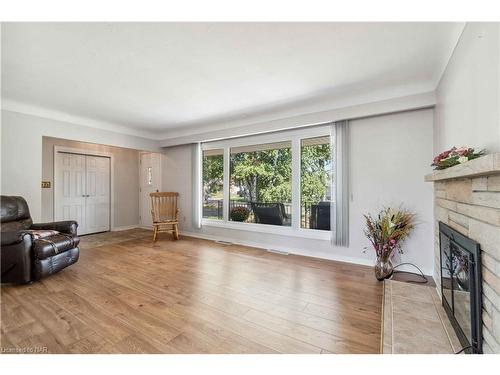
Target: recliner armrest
x,y
68,227
16,256
11,238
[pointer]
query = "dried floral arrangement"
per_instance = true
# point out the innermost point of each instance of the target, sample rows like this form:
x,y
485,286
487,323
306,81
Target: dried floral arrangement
x,y
388,230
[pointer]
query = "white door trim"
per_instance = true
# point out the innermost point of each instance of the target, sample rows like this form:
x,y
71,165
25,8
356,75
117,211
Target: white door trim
x,y
82,151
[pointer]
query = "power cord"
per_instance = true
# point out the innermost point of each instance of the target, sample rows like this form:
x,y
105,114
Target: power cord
x,y
424,281
461,350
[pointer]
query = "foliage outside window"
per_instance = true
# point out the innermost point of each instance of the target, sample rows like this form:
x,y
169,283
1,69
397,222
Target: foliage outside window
x,y
213,183
315,183
261,181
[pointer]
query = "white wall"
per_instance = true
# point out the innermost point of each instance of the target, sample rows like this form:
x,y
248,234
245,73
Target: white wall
x,y
21,141
468,96
277,121
390,155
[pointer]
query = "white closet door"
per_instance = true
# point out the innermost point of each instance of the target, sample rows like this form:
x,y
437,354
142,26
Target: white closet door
x,y
97,194
83,191
70,192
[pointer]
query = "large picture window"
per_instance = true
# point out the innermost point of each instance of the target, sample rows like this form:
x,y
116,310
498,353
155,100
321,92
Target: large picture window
x,y
261,184
282,183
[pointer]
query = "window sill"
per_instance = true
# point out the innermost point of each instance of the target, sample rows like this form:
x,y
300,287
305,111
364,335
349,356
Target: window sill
x,y
271,229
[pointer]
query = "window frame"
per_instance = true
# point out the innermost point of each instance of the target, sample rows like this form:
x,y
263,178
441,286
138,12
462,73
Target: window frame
x,y
201,187
295,136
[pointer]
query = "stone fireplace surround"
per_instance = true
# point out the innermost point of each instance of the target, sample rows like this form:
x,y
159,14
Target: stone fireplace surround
x,y
467,198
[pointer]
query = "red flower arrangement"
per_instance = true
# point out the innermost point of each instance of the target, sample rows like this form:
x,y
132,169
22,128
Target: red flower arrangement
x,y
455,156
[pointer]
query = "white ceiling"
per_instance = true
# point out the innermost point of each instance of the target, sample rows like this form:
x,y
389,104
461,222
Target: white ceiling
x,y
164,76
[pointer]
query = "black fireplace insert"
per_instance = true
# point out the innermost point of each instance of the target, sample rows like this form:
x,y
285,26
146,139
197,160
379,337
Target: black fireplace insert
x,y
461,286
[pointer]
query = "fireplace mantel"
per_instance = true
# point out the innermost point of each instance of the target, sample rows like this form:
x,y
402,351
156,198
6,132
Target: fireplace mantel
x,y
482,166
467,199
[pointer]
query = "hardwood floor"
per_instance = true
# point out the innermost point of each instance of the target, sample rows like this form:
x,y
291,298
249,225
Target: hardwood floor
x,y
194,296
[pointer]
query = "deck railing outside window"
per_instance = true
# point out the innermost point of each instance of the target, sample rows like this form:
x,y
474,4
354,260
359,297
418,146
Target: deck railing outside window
x,y
213,209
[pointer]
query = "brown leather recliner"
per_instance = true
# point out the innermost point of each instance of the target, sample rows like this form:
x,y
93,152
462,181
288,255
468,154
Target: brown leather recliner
x,y
32,251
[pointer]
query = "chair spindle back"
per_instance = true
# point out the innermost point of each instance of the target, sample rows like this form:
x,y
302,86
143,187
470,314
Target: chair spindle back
x,y
164,207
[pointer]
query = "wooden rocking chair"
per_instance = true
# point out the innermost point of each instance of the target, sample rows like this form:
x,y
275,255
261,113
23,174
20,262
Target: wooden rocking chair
x,y
165,213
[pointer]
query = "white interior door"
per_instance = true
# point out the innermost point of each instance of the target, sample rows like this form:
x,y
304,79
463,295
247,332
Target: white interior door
x,y
70,189
150,181
82,191
97,205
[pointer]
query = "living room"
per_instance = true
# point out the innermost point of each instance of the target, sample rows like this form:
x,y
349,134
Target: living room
x,y
250,188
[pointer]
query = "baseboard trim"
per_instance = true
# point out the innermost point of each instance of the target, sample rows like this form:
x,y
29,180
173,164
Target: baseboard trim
x,y
291,251
124,227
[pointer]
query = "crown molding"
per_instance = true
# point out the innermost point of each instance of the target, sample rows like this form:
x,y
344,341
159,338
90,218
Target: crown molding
x,y
33,110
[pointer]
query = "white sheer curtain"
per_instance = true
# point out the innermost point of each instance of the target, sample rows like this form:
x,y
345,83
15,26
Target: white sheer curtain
x,y
340,204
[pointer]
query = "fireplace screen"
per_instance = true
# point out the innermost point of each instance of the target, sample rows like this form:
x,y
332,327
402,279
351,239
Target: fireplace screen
x,y
461,285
